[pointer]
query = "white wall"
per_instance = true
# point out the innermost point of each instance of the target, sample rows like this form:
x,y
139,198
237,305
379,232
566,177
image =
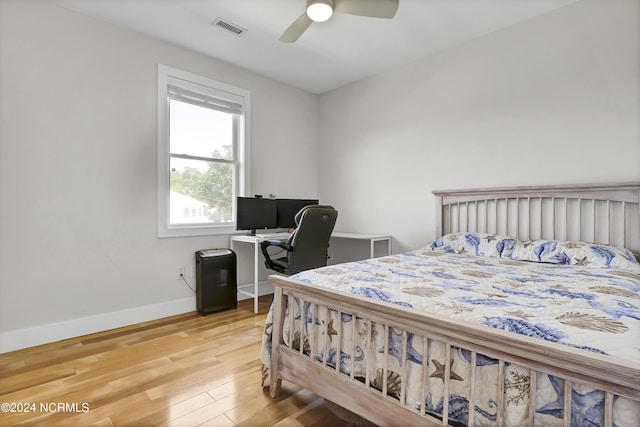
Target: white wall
x,y
78,245
554,100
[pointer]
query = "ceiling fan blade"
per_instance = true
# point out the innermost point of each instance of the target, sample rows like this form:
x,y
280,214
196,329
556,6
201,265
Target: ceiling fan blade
x,y
296,29
373,8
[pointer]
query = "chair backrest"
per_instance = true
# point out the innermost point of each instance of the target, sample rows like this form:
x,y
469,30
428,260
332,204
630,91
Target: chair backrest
x,y
311,237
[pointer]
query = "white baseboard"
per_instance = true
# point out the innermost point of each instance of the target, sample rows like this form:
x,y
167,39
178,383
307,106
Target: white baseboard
x,y
44,334
29,337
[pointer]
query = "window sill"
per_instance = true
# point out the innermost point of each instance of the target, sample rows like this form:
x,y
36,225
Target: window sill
x,y
191,231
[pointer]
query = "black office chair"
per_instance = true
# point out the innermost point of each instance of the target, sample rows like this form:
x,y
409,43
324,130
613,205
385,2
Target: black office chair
x,y
307,247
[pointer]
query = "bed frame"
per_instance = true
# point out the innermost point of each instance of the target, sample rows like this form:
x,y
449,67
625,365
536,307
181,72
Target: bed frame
x,y
605,214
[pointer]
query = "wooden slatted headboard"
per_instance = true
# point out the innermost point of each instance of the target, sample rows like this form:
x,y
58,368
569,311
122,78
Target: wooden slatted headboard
x,y
601,213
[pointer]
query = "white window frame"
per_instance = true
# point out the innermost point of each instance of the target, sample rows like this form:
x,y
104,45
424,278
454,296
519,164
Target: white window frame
x,y
186,80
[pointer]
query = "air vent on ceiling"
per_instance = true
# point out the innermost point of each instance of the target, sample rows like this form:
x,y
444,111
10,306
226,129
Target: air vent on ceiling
x,y
228,26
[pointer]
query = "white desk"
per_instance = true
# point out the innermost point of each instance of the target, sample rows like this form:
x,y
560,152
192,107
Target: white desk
x,y
372,238
260,237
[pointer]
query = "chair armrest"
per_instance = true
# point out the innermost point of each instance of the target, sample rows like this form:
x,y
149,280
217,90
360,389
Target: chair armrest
x,y
265,244
267,258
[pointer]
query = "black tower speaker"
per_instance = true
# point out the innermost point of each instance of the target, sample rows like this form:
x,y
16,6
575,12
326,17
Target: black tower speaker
x,y
216,286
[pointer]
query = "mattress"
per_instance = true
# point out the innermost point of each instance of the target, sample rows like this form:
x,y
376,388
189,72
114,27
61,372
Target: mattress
x,y
588,300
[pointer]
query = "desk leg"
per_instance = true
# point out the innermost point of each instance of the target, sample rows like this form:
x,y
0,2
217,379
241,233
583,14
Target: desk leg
x,y
256,258
231,246
373,242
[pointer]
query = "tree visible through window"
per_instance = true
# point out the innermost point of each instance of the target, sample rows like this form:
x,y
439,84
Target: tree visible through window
x,y
202,164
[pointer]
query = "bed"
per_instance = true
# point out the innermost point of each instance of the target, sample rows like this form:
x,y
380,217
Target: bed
x,y
524,311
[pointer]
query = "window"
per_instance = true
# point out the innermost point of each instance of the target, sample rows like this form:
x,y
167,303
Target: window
x,y
203,153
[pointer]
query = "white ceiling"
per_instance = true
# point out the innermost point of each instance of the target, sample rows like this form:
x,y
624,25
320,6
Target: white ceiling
x,y
342,50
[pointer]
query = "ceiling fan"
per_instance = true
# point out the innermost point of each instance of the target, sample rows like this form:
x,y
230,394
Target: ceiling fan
x,y
321,10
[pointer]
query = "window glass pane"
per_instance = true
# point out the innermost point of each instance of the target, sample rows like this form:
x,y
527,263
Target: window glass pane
x,y
199,131
201,192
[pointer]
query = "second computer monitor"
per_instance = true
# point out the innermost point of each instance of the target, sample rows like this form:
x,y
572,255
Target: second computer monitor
x,y
288,208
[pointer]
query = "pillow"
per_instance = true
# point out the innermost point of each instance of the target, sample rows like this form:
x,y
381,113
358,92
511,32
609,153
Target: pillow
x,y
492,245
574,253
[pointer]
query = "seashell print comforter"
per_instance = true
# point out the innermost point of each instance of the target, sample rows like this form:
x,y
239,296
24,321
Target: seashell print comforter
x,y
594,309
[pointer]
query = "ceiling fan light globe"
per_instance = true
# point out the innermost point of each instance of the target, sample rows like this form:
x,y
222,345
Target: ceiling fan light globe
x,y
319,11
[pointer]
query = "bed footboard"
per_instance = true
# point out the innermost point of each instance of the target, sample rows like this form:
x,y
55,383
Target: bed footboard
x,y
395,366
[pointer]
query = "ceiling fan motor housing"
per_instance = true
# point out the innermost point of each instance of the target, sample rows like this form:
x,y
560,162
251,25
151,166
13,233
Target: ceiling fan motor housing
x,y
319,10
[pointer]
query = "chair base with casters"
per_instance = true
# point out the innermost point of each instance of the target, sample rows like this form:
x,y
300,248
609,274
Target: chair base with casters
x,y
307,247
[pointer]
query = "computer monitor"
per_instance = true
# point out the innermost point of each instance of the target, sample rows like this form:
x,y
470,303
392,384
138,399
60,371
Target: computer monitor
x,y
288,208
256,214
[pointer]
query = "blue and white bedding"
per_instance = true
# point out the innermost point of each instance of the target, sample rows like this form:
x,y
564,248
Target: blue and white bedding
x,y
571,293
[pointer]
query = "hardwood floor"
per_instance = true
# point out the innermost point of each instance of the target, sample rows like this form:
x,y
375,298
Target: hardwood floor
x,y
185,370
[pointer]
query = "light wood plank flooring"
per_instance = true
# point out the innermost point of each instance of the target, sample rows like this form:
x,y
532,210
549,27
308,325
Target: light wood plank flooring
x,y
185,370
